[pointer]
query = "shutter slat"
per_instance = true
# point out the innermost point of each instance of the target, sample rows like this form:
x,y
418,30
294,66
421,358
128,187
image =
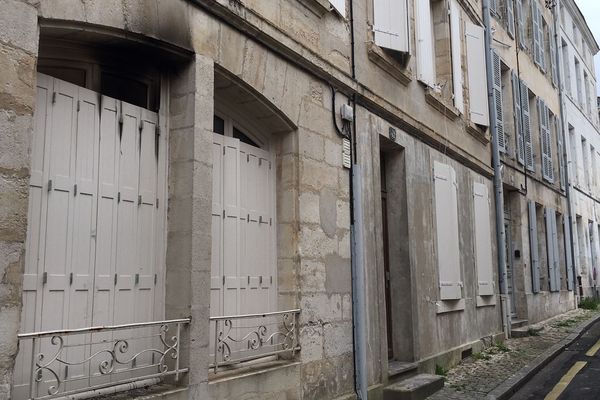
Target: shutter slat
x,y
533,248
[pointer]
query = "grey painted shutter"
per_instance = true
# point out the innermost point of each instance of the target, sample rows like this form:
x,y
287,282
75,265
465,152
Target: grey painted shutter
x,y
550,215
498,101
556,255
568,252
517,117
478,101
533,247
483,240
521,24
339,6
494,6
561,156
548,133
526,126
510,17
545,141
446,216
391,24
541,44
553,65
535,31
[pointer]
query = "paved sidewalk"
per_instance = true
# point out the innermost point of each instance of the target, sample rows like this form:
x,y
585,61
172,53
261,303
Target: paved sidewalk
x,y
477,376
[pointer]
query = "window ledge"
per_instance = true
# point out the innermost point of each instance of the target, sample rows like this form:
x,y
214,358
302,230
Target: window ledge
x,y
441,104
478,133
250,370
444,306
388,64
318,7
486,301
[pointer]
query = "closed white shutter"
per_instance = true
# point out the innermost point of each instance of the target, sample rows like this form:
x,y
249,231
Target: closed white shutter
x,y
518,123
457,71
497,82
550,216
425,49
510,18
216,274
521,23
478,100
391,24
533,247
339,6
526,123
446,216
483,240
553,65
568,252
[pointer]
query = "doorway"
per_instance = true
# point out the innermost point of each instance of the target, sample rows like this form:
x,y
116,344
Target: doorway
x,y
386,261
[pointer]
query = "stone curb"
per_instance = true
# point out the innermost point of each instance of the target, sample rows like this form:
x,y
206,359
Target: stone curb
x,y
515,382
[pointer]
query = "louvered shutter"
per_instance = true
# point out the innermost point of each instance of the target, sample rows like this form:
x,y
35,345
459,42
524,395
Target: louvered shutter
x,y
553,65
526,123
561,152
521,24
446,213
339,6
425,51
533,247
535,21
457,71
478,101
568,251
541,108
391,24
550,217
510,18
498,101
483,240
517,118
548,133
494,6
557,278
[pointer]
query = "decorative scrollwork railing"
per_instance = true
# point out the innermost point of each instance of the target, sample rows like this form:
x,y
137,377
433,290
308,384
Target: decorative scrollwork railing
x,y
241,338
71,361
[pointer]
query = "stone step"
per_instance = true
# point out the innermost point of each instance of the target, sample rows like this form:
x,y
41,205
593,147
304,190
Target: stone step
x,y
525,331
398,370
518,323
417,387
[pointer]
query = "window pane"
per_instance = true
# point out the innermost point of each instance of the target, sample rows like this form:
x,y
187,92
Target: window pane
x,y
218,125
243,137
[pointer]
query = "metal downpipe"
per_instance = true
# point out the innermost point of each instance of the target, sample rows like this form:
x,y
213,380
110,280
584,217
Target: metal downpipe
x,y
498,190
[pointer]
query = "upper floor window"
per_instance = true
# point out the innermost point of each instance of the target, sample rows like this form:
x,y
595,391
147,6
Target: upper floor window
x,y
390,25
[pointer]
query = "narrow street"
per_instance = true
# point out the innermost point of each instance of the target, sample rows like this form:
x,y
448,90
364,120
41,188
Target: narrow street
x,y
573,374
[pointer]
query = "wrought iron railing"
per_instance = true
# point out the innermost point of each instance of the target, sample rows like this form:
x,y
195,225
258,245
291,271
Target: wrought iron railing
x,y
71,361
240,338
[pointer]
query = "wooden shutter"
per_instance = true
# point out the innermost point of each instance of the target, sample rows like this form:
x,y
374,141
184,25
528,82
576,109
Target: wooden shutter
x,y
446,212
518,123
510,18
557,278
560,151
494,6
545,140
216,275
391,24
533,247
553,65
550,217
425,50
537,42
568,251
478,100
457,71
521,24
526,123
339,6
483,240
497,65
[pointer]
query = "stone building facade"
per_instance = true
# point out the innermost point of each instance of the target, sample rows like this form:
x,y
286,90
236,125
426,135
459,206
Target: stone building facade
x,y
577,50
293,146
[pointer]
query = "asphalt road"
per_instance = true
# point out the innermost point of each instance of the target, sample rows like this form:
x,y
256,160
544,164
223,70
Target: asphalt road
x,y
573,374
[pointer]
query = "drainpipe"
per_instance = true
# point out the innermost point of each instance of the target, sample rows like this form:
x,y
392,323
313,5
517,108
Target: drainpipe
x,y
566,145
498,191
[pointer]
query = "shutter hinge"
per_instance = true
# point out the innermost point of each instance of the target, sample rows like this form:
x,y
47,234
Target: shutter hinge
x,y
259,161
270,221
223,213
260,280
120,120
75,190
116,279
223,280
247,158
137,279
269,164
248,279
156,139
44,278
157,202
119,197
71,278
49,185
139,199
53,97
223,150
271,279
78,105
155,278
